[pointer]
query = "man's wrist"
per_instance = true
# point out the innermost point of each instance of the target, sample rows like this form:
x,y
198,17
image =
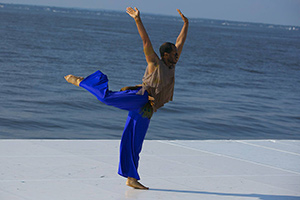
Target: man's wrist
x,y
137,18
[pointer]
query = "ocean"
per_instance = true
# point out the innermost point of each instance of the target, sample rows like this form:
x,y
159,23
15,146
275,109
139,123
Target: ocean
x,y
234,80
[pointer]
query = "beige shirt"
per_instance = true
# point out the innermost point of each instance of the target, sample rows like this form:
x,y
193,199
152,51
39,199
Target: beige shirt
x,y
159,84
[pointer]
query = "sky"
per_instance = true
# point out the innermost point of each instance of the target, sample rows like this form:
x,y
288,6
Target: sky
x,y
282,12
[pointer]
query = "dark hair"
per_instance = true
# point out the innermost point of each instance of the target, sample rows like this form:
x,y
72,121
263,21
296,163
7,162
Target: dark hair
x,y
166,47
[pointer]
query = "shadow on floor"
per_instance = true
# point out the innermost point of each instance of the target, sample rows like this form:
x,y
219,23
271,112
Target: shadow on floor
x,y
260,196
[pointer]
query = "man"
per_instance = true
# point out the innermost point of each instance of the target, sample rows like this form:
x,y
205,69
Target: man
x,y
141,100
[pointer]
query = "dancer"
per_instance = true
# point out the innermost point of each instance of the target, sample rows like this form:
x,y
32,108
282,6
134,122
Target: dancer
x,y
141,100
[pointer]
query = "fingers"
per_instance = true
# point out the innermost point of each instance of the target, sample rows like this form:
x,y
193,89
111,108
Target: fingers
x,y
133,12
129,10
182,16
179,11
150,98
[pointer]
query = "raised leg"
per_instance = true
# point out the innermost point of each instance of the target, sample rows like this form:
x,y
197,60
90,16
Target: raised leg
x,y
97,84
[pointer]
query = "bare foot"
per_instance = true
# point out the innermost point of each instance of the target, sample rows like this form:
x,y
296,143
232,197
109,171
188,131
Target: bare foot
x,y
132,182
75,80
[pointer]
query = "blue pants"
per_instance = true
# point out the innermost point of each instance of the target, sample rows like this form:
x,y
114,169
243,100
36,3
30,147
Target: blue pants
x,y
136,126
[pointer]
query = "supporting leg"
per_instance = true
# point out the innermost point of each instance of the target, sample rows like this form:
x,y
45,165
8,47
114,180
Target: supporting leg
x,y
131,146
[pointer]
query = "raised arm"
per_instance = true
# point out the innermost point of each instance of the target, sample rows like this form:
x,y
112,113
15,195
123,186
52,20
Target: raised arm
x,y
150,55
182,36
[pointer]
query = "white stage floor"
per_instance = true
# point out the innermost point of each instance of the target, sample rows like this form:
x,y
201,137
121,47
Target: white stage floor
x,y
178,169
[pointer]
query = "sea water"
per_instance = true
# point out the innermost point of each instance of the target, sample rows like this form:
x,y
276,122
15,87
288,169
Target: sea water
x,y
234,80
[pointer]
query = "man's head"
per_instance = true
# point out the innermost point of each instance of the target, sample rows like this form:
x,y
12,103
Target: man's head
x,y
168,53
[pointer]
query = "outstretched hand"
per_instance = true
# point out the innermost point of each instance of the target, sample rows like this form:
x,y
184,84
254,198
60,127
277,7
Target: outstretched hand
x,y
134,13
182,16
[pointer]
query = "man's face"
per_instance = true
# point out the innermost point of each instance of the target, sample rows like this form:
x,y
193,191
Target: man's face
x,y
173,56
